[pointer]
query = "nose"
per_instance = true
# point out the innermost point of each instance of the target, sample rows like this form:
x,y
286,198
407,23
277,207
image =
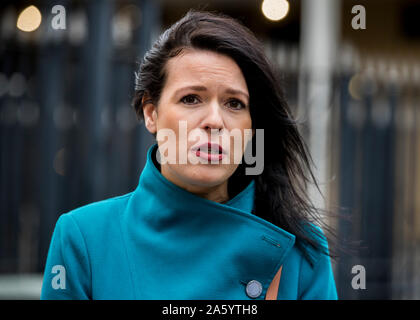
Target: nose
x,y
213,118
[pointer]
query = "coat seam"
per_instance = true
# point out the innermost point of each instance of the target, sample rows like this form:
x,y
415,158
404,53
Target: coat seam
x,y
316,262
87,252
127,255
300,276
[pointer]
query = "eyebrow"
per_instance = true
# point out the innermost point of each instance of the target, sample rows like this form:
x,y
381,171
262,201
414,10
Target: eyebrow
x,y
202,88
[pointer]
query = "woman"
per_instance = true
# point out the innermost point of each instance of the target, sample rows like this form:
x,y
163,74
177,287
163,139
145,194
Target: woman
x,y
202,227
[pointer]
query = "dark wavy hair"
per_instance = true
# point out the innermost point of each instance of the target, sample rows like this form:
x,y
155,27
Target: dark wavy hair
x,y
281,189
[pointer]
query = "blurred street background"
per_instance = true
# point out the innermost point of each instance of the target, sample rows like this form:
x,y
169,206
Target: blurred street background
x,y
69,136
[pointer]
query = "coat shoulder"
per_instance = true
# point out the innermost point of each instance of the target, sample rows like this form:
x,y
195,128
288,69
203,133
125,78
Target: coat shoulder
x,y
312,254
99,212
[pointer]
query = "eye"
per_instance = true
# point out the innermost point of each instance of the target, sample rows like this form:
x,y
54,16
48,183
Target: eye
x,y
190,99
236,104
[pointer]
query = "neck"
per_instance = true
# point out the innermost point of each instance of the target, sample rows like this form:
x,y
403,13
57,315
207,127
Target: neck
x,y
219,194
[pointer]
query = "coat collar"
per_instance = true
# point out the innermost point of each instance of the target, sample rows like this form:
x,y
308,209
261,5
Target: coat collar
x,y
160,189
152,180
178,226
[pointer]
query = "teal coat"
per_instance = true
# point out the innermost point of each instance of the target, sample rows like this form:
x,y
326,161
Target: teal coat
x,y
162,242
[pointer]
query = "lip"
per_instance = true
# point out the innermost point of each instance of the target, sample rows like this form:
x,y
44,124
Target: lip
x,y
209,156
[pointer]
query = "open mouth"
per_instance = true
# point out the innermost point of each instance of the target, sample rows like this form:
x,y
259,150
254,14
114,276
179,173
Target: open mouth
x,y
210,151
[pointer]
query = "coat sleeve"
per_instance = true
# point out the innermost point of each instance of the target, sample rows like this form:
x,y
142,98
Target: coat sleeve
x,y
317,280
67,272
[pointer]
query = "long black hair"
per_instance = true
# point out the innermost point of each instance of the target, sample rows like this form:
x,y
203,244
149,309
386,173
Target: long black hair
x,y
281,189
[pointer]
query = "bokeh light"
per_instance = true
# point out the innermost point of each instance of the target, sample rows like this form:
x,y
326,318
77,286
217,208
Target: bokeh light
x,y
275,10
29,19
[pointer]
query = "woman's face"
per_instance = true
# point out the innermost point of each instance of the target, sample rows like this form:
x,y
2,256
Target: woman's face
x,y
205,96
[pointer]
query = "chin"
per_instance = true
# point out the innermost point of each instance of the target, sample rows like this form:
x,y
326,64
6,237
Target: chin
x,y
208,176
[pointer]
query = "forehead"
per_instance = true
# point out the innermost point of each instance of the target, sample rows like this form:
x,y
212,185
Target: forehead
x,y
203,66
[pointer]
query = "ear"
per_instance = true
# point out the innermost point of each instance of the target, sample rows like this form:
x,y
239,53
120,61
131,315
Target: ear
x,y
150,116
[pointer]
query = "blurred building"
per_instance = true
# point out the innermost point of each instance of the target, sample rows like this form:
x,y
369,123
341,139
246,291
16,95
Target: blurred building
x,y
70,137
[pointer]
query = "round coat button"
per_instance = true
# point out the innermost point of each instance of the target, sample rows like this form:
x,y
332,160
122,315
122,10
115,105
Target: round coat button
x,y
253,289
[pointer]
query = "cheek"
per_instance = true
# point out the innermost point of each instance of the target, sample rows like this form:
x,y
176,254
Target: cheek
x,y
246,130
168,118
170,115
240,134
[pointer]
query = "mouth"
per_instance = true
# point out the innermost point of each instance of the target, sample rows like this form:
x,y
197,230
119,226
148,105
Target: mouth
x,y
210,151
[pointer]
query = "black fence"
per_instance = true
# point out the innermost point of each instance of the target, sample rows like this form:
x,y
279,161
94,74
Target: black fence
x,y
69,135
